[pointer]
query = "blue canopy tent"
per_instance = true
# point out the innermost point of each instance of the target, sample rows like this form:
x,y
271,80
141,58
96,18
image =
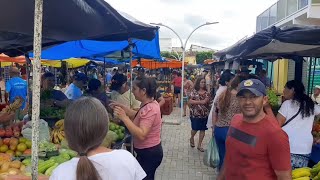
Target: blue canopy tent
x,y
98,50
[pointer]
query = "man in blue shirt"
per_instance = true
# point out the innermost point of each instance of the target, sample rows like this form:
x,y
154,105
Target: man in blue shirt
x,y
108,78
74,91
16,87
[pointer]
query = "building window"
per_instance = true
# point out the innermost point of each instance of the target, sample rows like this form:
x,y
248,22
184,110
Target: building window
x,y
302,3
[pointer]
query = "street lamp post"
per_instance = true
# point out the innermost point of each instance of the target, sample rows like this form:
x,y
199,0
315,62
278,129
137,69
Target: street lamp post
x,y
183,46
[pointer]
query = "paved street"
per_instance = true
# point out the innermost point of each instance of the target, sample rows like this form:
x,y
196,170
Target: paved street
x,y
180,160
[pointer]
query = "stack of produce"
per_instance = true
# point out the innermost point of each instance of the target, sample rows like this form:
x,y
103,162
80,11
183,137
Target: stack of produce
x,y
47,167
115,133
15,146
273,100
315,172
17,103
316,132
119,130
301,173
167,95
57,134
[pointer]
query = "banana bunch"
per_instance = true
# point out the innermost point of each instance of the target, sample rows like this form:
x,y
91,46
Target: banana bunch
x,y
301,173
57,134
14,106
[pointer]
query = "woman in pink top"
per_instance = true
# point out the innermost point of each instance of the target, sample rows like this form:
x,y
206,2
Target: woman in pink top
x,y
144,125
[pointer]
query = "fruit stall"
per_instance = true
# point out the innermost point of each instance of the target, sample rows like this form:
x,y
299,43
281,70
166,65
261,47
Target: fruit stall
x,y
15,148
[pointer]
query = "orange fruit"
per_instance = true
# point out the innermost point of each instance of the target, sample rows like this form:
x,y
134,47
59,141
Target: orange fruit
x,y
4,148
21,147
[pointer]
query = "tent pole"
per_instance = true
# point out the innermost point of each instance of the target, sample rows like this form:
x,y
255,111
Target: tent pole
x,y
104,73
309,74
271,75
36,85
130,49
28,63
278,75
314,69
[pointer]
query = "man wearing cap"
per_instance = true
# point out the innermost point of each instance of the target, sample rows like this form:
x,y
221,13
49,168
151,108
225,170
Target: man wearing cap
x,y
16,87
316,95
256,146
74,91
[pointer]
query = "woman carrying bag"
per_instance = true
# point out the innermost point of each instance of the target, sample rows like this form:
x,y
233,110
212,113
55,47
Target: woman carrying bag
x,y
296,116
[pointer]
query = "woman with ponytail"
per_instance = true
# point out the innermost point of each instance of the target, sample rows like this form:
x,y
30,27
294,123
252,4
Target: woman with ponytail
x,y
296,116
227,106
86,125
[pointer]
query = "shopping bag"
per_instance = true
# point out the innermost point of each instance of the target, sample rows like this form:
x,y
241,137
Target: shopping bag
x,y
211,154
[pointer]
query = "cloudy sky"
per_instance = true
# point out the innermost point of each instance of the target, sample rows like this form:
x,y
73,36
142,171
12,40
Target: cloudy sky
x,y
237,18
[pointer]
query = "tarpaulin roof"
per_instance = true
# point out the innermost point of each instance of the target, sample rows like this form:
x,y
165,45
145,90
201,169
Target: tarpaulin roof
x,y
67,21
72,62
274,42
98,49
151,64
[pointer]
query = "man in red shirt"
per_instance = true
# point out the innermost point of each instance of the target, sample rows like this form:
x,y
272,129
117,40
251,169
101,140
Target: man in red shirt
x,y
177,83
256,148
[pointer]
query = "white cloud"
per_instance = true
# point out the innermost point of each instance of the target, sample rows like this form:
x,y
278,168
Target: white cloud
x,y
237,18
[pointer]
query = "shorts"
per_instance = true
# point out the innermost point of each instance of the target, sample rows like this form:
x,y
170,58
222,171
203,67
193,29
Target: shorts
x,y
177,90
185,99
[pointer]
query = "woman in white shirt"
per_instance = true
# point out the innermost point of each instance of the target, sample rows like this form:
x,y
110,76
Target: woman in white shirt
x,y
86,125
296,116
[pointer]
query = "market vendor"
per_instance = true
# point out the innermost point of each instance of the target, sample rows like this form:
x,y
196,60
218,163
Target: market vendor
x,y
121,92
56,97
16,87
74,91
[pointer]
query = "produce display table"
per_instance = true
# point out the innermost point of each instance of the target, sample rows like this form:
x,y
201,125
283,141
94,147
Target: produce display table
x,y
315,154
21,177
167,108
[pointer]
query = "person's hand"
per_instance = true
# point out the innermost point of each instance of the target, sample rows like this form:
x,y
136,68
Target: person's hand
x,y
119,112
113,104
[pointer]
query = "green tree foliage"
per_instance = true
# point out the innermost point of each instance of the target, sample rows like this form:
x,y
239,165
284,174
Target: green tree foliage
x,y
172,55
201,56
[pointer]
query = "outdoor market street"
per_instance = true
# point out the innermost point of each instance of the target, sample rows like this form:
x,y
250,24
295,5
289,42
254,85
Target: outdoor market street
x,y
180,161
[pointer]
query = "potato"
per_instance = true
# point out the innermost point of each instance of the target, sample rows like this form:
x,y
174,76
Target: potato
x,y
5,166
15,164
13,171
23,168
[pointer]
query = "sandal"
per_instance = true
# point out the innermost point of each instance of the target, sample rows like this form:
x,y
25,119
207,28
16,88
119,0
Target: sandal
x,y
192,143
200,149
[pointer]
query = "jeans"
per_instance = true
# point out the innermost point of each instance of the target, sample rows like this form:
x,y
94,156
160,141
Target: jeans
x,y
150,159
220,134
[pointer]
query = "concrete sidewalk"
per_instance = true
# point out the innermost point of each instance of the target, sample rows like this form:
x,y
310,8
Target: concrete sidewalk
x,y
180,160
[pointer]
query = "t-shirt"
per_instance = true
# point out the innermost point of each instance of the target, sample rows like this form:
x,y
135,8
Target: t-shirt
x,y
17,87
125,99
255,150
73,92
298,130
177,82
114,165
149,116
108,78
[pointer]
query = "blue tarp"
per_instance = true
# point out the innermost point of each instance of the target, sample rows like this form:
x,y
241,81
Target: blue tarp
x,y
98,49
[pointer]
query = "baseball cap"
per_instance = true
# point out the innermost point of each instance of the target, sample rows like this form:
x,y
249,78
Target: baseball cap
x,y
81,77
317,86
255,86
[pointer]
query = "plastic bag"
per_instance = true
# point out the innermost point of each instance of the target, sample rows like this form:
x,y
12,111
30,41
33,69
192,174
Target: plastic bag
x,y
44,133
211,154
